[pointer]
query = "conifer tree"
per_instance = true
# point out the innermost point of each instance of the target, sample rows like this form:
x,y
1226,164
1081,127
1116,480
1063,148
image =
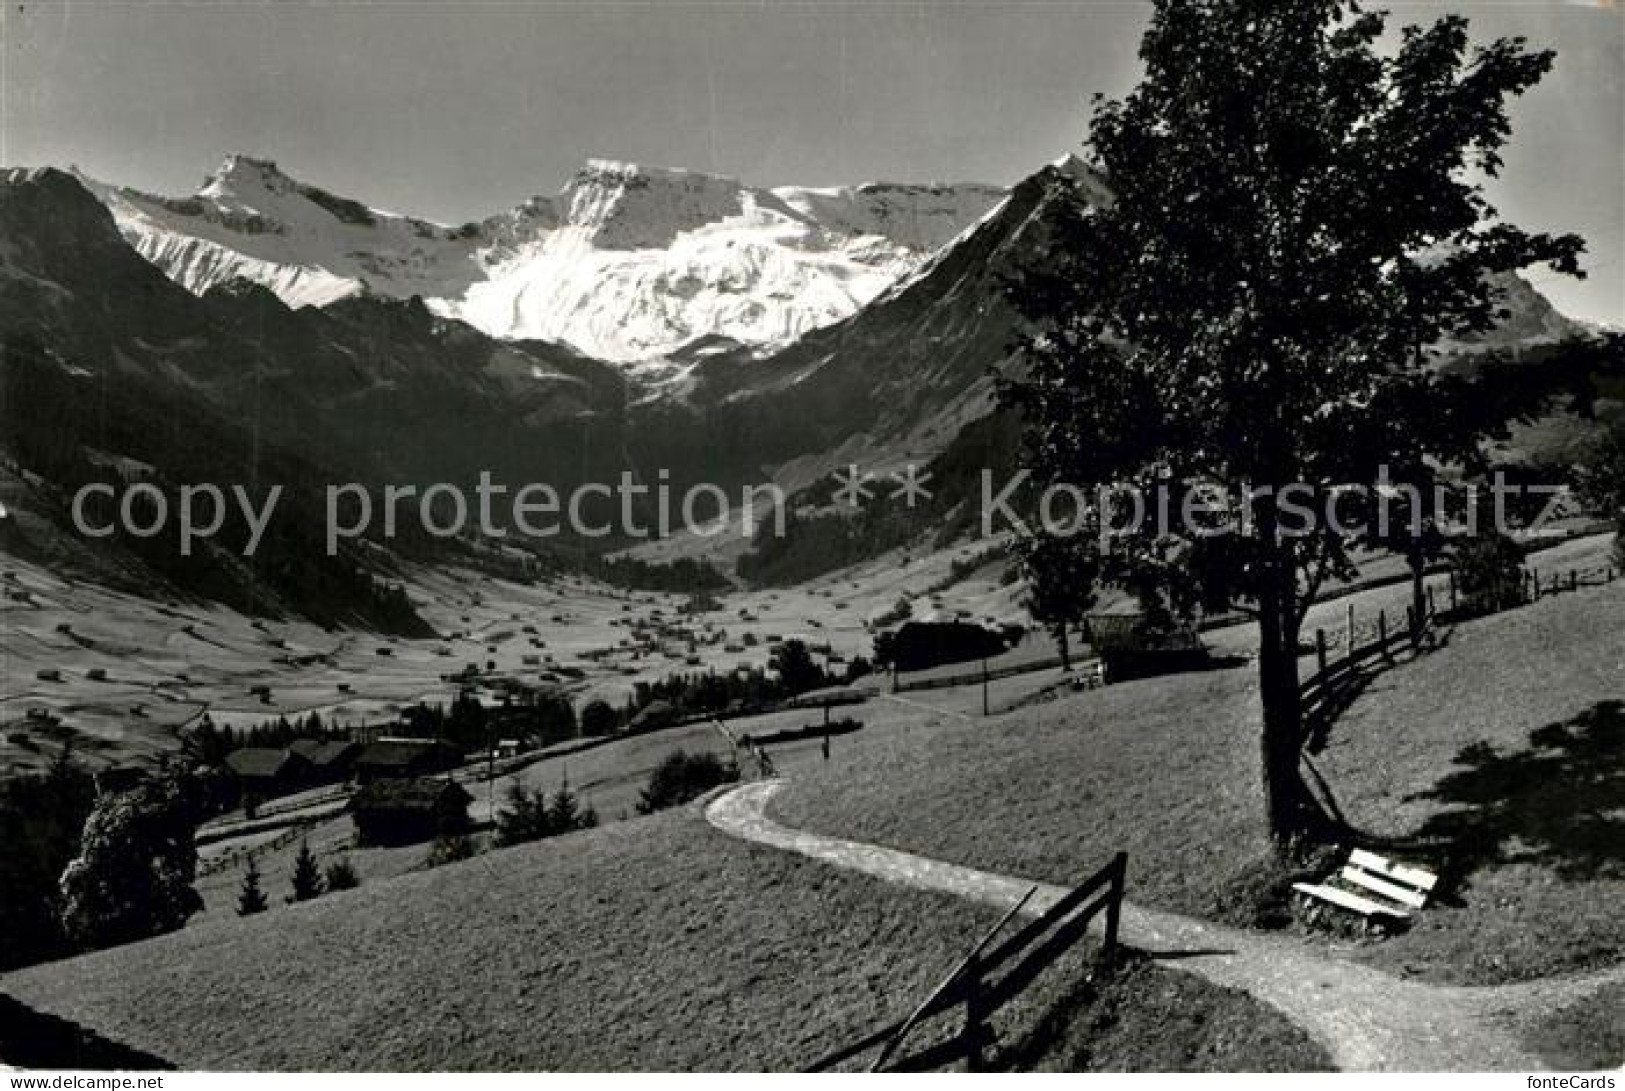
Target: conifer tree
x,y
251,899
307,877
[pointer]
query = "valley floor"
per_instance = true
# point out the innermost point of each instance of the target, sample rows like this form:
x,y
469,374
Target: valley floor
x,y
659,943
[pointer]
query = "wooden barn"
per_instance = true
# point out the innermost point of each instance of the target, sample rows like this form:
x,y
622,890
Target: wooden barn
x,y
406,812
1132,646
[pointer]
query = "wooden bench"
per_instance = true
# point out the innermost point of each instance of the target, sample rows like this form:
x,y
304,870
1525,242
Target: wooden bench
x,y
1090,677
1377,888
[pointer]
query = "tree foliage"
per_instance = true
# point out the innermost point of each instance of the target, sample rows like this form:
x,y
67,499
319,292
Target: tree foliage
x,y
792,661
41,818
1601,483
1490,571
133,876
1060,572
342,875
682,777
1296,214
531,816
599,718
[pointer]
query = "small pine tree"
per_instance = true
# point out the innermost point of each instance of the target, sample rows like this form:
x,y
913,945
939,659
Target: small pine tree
x,y
341,875
307,877
525,818
564,812
251,899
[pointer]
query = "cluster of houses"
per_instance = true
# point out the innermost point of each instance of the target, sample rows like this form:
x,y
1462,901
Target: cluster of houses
x,y
266,772
401,797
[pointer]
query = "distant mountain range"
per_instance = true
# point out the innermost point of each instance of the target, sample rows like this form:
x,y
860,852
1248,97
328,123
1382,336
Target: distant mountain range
x,y
266,329
626,263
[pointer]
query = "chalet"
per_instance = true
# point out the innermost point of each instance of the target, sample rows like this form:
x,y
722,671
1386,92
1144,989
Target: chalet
x,y
1132,646
265,771
330,762
396,758
408,811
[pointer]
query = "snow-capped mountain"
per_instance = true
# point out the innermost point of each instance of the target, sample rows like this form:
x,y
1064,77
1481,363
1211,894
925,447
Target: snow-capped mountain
x,y
626,263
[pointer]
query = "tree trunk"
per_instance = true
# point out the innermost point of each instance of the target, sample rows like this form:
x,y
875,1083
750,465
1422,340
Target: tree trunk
x,y
1063,643
1419,590
1282,735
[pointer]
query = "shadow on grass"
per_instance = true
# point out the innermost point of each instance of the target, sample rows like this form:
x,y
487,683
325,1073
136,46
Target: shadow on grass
x,y
1559,803
1135,1016
1340,696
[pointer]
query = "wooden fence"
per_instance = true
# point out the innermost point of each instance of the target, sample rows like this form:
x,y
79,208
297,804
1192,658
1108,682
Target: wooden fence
x,y
1538,584
978,676
235,856
1362,640
985,979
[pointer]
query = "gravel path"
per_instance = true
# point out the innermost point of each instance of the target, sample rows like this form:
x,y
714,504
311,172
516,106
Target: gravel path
x,y
1366,1019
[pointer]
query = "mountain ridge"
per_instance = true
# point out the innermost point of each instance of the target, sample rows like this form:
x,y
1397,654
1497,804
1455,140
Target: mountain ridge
x,y
626,263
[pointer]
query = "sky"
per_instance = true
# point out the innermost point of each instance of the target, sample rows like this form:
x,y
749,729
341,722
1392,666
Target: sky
x,y
456,111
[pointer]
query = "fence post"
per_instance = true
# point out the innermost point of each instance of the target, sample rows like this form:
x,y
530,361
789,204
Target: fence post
x,y
1382,632
1534,584
1433,610
1320,649
1574,580
1114,907
1452,590
1348,644
975,1015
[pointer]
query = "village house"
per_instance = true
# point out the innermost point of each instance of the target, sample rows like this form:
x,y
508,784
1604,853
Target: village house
x,y
266,771
331,762
405,812
393,757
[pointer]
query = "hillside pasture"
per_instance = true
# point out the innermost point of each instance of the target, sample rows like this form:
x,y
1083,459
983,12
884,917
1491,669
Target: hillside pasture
x,y
1505,740
655,944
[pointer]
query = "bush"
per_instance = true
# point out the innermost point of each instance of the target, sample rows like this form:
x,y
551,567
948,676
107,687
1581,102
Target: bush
x,y
683,777
341,875
598,719
448,849
1489,569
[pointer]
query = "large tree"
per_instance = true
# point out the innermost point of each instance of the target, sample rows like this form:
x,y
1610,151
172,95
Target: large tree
x,y
1298,212
1060,572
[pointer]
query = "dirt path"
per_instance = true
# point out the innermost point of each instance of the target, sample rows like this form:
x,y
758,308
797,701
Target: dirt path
x,y
1366,1019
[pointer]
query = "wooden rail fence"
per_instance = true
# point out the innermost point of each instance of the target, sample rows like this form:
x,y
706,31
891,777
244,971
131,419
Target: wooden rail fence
x,y
992,674
1364,639
985,979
